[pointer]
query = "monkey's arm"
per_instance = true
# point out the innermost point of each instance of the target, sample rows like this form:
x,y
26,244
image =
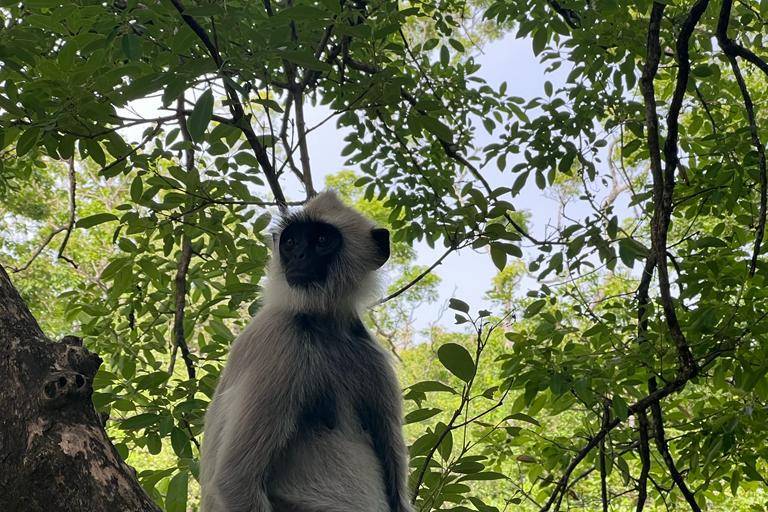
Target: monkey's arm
x,y
382,418
266,417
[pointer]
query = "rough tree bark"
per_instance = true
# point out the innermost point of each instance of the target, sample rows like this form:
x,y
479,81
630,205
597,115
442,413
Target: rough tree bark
x,y
54,452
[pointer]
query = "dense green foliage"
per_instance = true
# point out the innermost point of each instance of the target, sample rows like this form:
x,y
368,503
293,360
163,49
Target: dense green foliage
x,y
636,363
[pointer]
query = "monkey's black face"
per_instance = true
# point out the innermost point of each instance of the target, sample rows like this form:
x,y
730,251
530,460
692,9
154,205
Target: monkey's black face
x,y
307,250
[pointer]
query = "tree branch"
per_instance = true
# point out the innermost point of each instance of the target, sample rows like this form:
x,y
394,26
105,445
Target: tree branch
x,y
664,179
731,50
37,252
569,16
603,469
179,338
182,268
419,277
72,212
239,119
663,448
645,461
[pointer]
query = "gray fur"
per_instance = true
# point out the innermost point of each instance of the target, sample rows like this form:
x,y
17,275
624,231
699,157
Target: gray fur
x,y
307,415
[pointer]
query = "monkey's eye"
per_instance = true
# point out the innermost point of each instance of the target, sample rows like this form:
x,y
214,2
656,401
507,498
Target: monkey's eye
x,y
322,240
290,242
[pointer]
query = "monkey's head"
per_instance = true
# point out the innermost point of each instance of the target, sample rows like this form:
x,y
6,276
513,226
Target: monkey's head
x,y
324,257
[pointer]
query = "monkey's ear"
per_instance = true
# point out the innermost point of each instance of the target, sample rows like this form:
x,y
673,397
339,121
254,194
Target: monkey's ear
x,y
381,240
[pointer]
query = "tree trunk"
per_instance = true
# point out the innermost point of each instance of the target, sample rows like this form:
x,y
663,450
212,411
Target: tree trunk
x,y
54,452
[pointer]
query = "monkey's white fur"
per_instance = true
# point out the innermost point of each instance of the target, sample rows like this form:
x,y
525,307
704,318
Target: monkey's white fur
x,y
258,455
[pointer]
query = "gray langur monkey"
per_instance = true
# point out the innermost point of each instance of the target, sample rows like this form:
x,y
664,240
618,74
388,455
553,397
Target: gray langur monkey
x,y
307,415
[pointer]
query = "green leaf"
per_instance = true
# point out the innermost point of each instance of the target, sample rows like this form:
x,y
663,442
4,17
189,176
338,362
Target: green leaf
x,y
154,443
445,56
735,480
432,386
458,305
303,12
499,256
456,45
485,475
66,55
457,360
631,250
137,189
523,417
139,421
37,4
27,141
94,151
540,38
534,308
94,220
421,415
620,407
436,127
131,45
306,60
446,445
176,498
152,380
200,116
180,443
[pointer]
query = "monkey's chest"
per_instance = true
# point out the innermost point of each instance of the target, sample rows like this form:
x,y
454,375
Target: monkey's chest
x,y
330,469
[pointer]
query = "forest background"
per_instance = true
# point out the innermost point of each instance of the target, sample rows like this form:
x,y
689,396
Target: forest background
x,y
577,196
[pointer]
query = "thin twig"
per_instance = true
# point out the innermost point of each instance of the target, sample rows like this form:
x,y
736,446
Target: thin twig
x,y
301,128
72,212
133,151
37,252
418,278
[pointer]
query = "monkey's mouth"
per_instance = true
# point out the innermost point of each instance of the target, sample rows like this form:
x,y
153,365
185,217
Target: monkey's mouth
x,y
302,279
